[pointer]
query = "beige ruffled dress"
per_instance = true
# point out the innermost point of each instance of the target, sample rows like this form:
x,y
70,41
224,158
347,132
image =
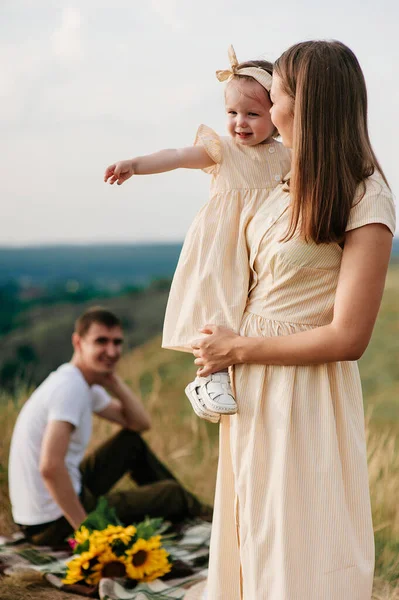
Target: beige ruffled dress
x,y
292,514
211,282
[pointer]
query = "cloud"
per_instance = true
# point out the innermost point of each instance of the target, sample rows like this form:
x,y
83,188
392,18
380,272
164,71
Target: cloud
x,y
66,39
167,10
85,83
20,68
31,67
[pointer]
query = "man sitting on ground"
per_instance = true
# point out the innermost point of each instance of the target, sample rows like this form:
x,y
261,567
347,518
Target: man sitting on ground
x,y
52,485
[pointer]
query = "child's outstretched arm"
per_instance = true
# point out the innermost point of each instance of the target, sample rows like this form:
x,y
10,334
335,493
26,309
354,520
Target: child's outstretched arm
x,y
193,157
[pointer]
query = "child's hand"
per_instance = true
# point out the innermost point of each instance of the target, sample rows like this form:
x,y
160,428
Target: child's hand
x,y
119,172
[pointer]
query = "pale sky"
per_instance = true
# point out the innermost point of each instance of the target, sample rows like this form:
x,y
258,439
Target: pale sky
x,y
83,84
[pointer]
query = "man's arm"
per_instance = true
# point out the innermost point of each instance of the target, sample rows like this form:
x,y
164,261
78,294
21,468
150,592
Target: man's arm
x,y
55,474
125,408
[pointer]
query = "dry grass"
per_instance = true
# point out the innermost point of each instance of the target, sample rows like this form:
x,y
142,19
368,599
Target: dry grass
x,y
187,444
8,413
31,586
189,447
384,591
383,462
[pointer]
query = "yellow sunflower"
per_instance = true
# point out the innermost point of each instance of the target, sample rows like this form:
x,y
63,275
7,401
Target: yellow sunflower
x,y
108,565
112,533
82,535
146,559
79,568
156,574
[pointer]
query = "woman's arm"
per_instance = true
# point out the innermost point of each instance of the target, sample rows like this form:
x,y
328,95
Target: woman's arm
x,y
192,157
360,287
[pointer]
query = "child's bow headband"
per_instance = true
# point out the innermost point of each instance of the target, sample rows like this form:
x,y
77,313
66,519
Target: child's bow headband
x,y
261,76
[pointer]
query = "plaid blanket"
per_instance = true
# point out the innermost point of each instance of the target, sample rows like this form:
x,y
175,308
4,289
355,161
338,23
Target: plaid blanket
x,y
190,549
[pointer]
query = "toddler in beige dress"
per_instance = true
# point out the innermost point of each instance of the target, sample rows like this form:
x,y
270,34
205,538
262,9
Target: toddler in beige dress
x,y
213,277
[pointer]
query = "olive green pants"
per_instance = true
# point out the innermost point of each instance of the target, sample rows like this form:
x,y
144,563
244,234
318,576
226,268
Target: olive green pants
x,y
156,492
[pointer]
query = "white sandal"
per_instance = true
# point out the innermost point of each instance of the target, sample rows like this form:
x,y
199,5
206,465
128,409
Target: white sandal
x,y
217,395
199,407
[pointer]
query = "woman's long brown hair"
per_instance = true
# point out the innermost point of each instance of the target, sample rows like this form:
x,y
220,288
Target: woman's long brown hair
x,y
332,153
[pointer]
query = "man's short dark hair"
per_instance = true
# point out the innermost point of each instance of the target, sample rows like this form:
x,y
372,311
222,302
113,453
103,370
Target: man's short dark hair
x,y
96,314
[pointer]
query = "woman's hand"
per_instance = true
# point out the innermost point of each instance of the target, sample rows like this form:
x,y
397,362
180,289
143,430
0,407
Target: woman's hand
x,y
217,351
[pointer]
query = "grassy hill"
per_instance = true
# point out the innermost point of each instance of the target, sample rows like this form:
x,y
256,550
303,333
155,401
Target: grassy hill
x,y
190,446
42,341
379,365
124,263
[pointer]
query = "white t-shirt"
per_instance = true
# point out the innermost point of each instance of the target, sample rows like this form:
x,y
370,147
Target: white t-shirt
x,y
63,396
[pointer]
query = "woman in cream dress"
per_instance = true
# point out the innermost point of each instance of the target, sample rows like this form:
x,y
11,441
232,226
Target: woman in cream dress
x,y
292,510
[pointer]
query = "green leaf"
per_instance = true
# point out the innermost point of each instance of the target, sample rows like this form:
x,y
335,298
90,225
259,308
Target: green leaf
x,y
82,547
149,527
102,516
119,548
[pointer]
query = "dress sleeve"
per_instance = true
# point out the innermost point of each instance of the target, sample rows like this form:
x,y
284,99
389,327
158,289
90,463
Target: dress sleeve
x,y
209,139
376,206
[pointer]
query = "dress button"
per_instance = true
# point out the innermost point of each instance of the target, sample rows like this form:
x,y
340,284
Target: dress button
x,y
272,149
277,178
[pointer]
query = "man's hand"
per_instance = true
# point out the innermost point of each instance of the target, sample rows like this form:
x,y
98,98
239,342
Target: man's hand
x,y
127,409
111,382
119,172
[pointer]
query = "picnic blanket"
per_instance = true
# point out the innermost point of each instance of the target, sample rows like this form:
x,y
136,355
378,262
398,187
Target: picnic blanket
x,y
191,549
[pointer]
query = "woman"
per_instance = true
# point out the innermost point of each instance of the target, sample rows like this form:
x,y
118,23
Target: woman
x,y
292,509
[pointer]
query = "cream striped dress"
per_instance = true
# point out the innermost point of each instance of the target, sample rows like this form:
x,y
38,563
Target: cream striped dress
x,y
211,281
292,511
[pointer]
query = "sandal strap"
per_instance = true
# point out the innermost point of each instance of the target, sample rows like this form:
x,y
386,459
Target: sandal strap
x,y
220,377
198,404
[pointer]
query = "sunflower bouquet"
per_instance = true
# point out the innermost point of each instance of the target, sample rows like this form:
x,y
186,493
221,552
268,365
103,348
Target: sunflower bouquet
x,y
105,548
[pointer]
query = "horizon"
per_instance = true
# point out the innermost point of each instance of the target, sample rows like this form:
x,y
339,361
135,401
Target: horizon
x,y
106,244
84,244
